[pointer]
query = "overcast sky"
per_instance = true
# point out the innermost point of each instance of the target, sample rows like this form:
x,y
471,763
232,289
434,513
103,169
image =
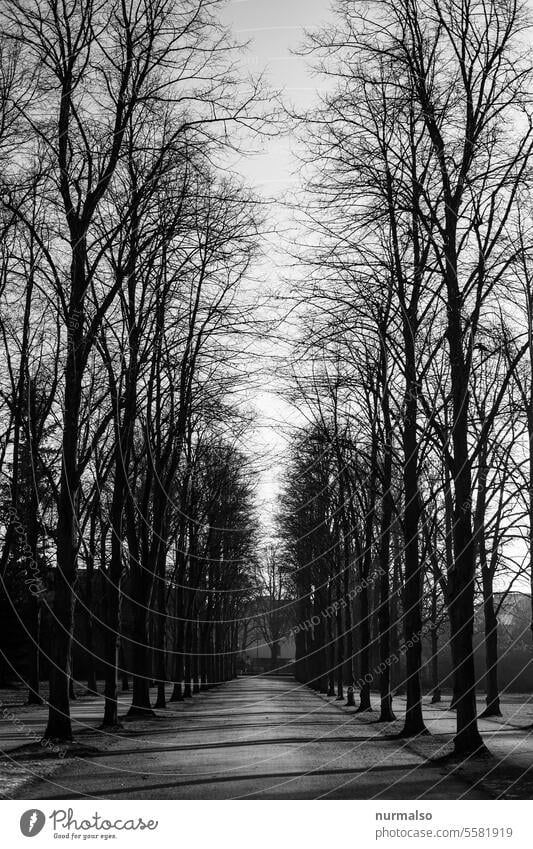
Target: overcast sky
x,y
274,28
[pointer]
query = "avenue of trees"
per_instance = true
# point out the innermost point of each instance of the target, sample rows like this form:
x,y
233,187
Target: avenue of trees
x,y
128,312
408,496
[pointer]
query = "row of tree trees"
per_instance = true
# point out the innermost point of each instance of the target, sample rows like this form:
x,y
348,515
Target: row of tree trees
x,y
411,485
124,250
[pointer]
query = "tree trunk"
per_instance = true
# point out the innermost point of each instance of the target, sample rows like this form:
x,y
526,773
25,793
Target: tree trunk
x,y
195,659
34,603
448,508
187,689
365,561
161,620
436,694
123,670
492,691
492,695
89,576
59,726
34,652
413,576
140,705
111,631
203,658
461,579
348,626
384,618
330,644
530,449
396,668
92,685
339,638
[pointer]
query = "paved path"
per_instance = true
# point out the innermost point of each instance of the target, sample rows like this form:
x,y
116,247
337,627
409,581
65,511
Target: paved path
x,y
258,738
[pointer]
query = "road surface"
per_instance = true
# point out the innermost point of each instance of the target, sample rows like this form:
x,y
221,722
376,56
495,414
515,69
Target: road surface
x,y
253,738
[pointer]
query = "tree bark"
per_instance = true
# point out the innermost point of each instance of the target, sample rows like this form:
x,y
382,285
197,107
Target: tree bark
x,y
492,691
413,576
384,617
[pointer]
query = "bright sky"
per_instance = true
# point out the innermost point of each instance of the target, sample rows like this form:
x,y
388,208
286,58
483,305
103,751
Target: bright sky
x,y
274,28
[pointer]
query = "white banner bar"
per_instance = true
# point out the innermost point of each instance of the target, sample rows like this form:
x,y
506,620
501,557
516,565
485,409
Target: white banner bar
x,y
263,825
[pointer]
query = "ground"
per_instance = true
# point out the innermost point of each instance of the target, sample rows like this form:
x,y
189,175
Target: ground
x,y
261,738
